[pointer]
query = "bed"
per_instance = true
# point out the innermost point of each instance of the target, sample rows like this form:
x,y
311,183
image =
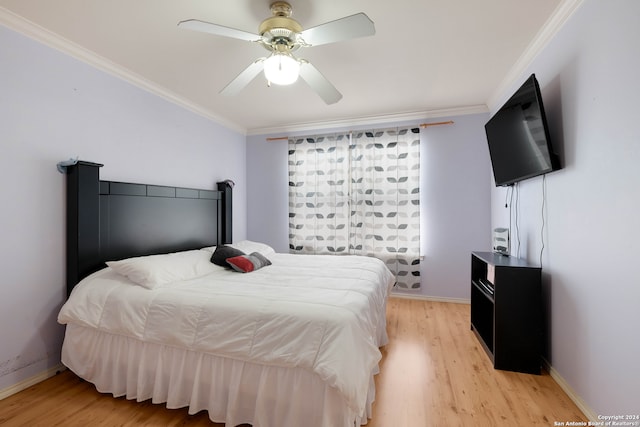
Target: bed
x,y
294,341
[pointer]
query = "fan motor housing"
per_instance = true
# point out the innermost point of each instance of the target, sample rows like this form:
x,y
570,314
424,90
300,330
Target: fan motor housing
x,y
280,29
277,22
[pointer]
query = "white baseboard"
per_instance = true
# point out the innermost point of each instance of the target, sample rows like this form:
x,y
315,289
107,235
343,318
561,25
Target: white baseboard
x,y
22,385
580,403
429,298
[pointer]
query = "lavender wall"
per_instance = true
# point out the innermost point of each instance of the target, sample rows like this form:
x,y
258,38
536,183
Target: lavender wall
x,y
53,107
455,199
588,74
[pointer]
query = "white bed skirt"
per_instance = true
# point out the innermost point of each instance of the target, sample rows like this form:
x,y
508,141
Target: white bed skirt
x,y
232,391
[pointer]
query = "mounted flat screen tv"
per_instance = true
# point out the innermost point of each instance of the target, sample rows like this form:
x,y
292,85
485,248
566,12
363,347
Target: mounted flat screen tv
x,y
518,137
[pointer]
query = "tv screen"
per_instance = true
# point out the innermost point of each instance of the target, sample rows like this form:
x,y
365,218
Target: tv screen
x,y
518,137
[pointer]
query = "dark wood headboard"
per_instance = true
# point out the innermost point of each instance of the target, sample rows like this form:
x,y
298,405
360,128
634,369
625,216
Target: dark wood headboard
x,y
108,220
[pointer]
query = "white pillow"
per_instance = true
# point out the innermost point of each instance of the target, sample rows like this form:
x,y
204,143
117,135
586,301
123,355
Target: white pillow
x,y
154,270
247,246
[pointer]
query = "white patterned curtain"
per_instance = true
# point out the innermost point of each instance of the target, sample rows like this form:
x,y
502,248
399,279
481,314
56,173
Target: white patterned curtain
x,y
358,193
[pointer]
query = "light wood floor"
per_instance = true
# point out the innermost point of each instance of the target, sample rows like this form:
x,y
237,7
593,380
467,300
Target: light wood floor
x,y
433,373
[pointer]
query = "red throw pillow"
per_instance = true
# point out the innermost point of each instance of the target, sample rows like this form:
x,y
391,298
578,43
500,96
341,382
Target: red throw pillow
x,y
248,263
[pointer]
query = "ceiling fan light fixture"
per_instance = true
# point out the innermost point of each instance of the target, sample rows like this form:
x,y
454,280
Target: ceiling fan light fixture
x,y
281,69
281,36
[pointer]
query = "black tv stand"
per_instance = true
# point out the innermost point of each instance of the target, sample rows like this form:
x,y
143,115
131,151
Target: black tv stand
x,y
506,310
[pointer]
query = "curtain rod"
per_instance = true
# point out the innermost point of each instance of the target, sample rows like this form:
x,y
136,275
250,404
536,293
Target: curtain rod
x,y
426,125
423,125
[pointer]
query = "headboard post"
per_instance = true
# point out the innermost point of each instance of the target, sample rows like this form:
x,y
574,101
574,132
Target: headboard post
x,y
83,216
226,187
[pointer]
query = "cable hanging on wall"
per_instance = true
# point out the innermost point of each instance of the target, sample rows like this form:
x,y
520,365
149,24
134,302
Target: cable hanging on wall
x,y
542,213
516,190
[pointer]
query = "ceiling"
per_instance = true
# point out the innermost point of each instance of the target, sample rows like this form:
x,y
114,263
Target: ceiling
x,y
427,58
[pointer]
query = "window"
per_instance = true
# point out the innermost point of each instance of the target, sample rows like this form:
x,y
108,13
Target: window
x,y
358,193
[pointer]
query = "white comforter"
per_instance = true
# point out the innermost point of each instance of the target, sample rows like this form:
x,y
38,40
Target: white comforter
x,y
322,313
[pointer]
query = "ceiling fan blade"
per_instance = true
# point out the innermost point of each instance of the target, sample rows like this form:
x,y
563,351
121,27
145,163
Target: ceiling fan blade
x,y
219,30
319,83
244,78
349,27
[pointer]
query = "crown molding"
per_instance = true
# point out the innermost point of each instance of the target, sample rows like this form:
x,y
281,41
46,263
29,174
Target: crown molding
x,y
549,30
55,41
368,120
563,12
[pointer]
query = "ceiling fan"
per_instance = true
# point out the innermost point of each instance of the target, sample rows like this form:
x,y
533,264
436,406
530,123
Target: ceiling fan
x,y
281,35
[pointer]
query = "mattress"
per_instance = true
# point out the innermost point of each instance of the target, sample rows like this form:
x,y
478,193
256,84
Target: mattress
x,y
305,330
